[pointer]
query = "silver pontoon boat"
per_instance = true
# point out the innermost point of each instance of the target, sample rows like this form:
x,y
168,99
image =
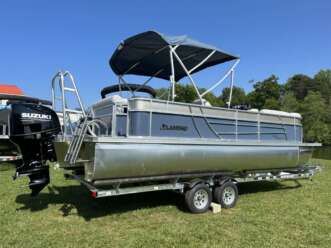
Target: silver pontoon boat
x,y
136,144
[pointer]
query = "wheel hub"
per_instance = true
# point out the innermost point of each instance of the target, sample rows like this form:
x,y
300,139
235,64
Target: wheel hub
x,y
200,199
228,195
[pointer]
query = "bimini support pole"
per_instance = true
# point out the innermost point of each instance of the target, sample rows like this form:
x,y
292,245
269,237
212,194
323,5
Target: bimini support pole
x,y
202,62
231,89
172,76
148,80
222,79
121,79
188,74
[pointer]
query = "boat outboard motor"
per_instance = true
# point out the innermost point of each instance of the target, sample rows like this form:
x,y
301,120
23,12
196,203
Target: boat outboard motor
x,y
33,127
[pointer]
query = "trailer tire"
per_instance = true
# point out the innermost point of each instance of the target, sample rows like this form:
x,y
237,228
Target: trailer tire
x,y
198,198
226,194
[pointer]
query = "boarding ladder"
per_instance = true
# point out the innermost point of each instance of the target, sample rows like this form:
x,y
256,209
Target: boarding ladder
x,y
77,141
86,126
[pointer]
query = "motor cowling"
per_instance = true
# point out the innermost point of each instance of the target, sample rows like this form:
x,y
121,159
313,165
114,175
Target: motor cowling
x,y
33,128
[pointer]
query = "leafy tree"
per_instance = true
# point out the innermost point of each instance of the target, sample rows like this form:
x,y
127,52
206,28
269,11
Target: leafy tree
x,y
187,93
213,100
289,103
300,85
266,94
318,132
184,93
322,84
328,114
162,93
271,103
313,110
238,96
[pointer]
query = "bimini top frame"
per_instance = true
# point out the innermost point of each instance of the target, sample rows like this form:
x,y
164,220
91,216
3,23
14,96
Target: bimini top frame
x,y
153,54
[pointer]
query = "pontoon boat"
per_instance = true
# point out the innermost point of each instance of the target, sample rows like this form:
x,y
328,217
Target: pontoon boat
x,y
137,144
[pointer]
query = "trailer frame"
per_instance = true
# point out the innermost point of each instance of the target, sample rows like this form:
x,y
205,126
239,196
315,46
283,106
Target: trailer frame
x,y
178,182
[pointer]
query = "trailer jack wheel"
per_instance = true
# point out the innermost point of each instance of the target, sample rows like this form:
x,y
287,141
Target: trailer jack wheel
x,y
226,194
198,198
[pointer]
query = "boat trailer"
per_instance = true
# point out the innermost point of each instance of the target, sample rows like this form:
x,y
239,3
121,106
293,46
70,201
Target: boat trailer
x,y
180,182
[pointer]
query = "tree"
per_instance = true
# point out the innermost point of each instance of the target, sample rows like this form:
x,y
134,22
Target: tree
x,y
162,93
328,114
314,113
322,84
213,100
289,103
300,84
271,103
186,93
266,94
238,96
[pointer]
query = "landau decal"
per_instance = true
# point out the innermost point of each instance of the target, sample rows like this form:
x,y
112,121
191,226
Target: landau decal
x,y
173,127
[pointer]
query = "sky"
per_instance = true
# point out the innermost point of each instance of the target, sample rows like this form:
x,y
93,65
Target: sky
x,y
39,38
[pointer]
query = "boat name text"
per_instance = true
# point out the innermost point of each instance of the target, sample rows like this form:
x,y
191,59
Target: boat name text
x,y
173,127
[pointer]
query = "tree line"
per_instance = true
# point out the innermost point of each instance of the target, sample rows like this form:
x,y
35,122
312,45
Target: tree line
x,y
309,96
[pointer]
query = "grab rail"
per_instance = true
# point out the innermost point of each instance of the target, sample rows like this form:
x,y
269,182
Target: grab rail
x,y
66,111
96,123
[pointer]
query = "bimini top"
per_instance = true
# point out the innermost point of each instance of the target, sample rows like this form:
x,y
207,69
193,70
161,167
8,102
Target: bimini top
x,y
148,54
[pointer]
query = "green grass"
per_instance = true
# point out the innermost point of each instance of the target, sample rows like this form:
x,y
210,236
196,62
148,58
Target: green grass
x,y
266,215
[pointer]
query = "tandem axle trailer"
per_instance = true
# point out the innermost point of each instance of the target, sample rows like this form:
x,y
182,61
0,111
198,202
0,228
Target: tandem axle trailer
x,y
199,189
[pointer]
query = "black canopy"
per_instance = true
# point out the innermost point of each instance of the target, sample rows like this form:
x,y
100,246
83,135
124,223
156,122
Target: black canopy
x,y
147,54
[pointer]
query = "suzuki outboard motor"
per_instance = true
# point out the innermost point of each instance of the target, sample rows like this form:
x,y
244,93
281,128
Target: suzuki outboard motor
x,y
33,127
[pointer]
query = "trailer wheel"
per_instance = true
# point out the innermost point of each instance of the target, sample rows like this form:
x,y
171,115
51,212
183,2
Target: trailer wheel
x,y
226,194
198,198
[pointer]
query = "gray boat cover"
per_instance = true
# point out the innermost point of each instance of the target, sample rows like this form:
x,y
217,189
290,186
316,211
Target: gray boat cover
x,y
147,54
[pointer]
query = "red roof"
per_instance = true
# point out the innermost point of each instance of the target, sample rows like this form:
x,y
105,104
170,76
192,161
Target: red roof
x,y
10,90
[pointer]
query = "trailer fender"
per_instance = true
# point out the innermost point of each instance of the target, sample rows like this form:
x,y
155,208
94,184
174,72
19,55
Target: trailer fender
x,y
194,182
225,180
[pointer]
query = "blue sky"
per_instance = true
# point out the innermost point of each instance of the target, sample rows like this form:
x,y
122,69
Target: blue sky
x,y
37,38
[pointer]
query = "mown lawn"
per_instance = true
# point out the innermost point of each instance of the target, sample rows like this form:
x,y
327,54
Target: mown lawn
x,y
266,215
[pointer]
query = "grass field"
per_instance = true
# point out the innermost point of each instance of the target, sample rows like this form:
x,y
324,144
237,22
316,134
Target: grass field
x,y
266,215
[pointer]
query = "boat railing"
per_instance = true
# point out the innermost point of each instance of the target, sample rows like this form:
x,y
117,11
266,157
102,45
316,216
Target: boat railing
x,y
59,86
257,122
98,127
236,133
255,128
